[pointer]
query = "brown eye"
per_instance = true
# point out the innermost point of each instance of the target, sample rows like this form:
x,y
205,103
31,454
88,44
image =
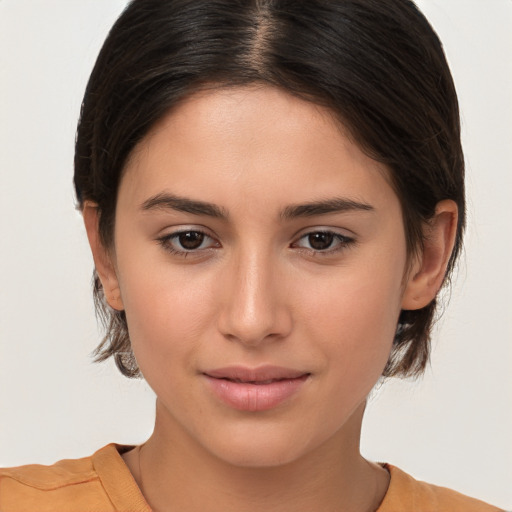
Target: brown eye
x,y
323,242
320,241
187,242
190,240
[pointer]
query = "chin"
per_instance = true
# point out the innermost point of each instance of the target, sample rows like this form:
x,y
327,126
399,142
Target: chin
x,y
257,456
261,448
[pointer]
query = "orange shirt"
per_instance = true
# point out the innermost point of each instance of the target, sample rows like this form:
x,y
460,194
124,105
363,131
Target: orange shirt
x,y
103,483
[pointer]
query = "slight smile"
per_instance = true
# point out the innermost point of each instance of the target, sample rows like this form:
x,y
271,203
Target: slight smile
x,y
255,389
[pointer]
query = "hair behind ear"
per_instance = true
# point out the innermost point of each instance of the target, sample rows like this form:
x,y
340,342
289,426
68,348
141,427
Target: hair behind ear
x,y
428,272
426,276
109,308
116,341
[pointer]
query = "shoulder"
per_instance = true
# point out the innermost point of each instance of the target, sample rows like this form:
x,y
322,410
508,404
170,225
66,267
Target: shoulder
x,y
405,494
88,483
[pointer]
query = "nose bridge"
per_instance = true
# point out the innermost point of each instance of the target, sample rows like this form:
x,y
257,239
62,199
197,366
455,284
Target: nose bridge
x,y
253,309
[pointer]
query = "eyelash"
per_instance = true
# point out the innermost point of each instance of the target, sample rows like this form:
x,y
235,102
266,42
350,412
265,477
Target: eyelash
x,y
166,242
343,242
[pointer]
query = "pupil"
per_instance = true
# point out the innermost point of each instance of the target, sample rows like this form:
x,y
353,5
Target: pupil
x,y
320,241
191,239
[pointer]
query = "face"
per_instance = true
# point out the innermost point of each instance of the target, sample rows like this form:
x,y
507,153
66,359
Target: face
x,y
260,259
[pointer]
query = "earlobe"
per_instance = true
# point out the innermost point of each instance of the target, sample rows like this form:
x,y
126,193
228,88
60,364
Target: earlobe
x,y
427,273
102,259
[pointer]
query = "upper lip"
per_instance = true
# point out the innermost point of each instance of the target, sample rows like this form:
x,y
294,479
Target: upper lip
x,y
259,374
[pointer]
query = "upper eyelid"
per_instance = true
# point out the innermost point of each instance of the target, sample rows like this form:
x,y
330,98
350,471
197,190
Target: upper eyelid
x,y
344,241
334,233
169,232
296,237
168,240
342,232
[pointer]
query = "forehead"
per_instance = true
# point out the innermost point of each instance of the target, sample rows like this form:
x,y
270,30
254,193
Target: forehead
x,y
248,143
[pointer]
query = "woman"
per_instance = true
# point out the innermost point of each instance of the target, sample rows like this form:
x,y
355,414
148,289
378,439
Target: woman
x,y
273,194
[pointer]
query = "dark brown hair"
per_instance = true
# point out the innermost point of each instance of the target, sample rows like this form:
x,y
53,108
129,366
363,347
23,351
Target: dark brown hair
x,y
377,64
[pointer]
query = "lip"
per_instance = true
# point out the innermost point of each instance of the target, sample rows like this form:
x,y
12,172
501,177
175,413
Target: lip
x,y
255,389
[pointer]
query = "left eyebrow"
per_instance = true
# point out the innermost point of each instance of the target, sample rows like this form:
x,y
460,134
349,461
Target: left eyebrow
x,y
324,207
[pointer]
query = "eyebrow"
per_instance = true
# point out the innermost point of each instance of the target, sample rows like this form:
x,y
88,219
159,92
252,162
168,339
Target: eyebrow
x,y
182,204
324,207
166,201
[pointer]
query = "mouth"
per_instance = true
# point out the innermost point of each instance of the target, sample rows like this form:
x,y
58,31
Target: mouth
x,y
253,382
255,389
261,375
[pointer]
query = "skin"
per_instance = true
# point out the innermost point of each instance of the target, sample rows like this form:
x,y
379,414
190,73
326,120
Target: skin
x,y
258,291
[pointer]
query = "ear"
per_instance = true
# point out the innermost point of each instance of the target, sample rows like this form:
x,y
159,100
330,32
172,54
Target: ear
x,y
429,268
105,267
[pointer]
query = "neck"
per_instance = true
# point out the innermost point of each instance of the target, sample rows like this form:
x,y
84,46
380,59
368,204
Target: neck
x,y
174,473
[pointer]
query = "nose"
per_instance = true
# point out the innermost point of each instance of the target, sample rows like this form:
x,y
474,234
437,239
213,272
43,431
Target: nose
x,y
254,305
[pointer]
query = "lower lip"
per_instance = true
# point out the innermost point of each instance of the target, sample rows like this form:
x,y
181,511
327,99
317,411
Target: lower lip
x,y
255,397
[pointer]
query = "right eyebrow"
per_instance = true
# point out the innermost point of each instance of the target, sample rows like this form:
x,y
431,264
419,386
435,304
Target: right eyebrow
x,y
165,201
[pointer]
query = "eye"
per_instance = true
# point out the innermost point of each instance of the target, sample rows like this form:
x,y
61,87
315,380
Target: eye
x,y
187,241
323,241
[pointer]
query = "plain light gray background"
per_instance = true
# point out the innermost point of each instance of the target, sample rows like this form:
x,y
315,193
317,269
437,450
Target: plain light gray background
x,y
453,427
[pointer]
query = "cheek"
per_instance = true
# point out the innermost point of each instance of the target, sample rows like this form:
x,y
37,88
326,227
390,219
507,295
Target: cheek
x,y
355,318
167,310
